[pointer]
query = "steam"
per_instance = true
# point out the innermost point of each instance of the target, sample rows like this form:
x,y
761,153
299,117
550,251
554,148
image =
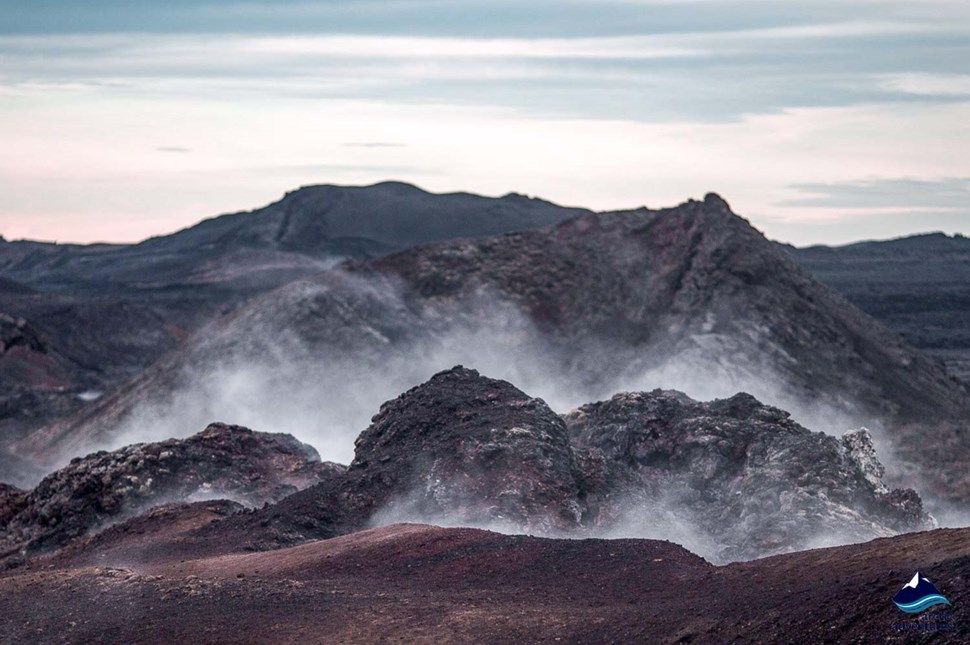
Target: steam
x,y
659,516
256,373
284,384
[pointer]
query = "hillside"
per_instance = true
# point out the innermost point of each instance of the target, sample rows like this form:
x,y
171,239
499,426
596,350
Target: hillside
x,y
426,584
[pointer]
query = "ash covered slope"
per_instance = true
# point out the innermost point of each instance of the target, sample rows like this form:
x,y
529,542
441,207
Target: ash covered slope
x,y
427,584
221,461
690,297
34,375
49,373
463,449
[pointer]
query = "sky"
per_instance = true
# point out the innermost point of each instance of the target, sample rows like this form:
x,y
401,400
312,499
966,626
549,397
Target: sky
x,y
820,121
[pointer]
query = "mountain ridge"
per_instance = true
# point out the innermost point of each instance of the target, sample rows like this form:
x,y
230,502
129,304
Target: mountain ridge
x,y
598,303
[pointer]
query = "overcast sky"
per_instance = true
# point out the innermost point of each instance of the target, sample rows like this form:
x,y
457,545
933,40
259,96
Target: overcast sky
x,y
819,121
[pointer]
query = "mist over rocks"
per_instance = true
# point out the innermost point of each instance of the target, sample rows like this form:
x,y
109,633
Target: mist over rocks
x,y
466,448
730,479
106,312
459,449
222,461
739,477
690,297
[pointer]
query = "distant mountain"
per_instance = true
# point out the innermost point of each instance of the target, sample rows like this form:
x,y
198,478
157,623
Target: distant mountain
x,y
691,298
113,309
307,229
918,286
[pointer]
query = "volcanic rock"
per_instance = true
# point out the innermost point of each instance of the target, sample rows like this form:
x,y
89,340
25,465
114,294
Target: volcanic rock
x,y
221,461
731,479
744,475
459,449
473,450
12,501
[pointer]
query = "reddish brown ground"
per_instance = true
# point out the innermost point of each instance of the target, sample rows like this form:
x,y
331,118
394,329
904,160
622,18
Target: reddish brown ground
x,y
408,583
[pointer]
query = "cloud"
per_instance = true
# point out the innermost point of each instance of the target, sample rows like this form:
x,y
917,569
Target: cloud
x,y
605,104
879,194
929,85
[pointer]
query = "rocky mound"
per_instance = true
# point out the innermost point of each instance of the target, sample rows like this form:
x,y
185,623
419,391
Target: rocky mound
x,y
460,449
12,501
740,475
470,449
221,461
731,479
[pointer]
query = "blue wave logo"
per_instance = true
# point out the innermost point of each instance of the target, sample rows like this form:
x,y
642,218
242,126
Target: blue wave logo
x,y
917,595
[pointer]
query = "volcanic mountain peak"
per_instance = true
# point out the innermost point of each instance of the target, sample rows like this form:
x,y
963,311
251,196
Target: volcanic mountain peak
x,y
364,221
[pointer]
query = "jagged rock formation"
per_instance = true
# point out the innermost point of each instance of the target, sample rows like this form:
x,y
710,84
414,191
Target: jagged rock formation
x,y
221,461
689,297
12,501
459,449
741,478
739,473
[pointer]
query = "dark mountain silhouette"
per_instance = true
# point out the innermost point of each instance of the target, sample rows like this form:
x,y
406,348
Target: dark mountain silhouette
x,y
279,242
918,286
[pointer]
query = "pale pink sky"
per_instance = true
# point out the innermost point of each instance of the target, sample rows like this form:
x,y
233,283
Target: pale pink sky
x,y
825,122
